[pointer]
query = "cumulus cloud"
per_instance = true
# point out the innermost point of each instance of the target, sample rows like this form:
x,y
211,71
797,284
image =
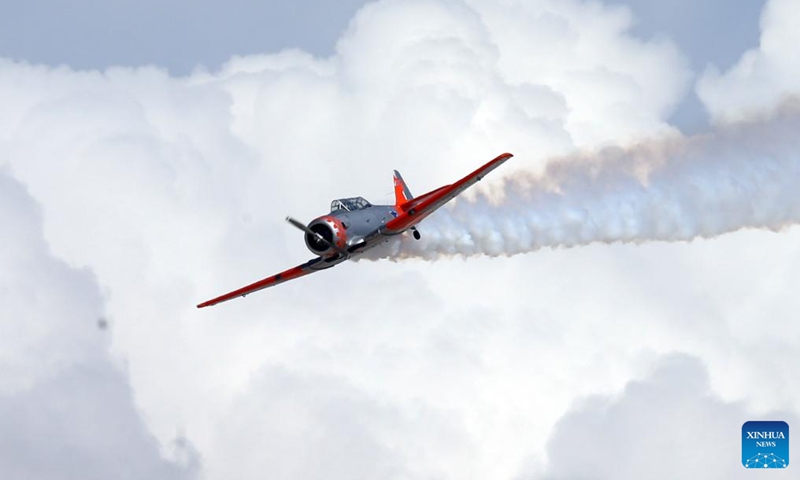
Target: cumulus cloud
x,y
66,411
671,415
310,426
171,189
765,76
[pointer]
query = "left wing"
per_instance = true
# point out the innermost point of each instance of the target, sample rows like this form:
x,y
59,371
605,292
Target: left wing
x,y
420,207
311,266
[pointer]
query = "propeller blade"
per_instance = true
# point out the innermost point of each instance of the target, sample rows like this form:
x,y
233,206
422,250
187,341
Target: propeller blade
x,y
296,223
301,226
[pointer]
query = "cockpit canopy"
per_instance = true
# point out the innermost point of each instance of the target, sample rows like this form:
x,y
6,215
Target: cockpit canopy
x,y
350,204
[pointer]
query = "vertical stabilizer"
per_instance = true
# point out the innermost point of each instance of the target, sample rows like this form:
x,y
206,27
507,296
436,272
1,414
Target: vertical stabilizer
x,y
401,192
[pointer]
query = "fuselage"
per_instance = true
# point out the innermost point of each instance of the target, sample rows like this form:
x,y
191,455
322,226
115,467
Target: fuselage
x,y
353,230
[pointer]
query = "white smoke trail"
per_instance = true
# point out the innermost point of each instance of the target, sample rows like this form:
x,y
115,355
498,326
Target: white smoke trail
x,y
745,175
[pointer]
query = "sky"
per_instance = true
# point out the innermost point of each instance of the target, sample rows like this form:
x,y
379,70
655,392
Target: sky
x,y
182,35
613,302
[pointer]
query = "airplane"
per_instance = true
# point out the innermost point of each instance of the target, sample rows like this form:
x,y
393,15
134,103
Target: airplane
x,y
353,226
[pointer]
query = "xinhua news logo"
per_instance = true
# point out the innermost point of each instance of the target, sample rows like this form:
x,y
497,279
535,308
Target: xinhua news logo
x,y
765,445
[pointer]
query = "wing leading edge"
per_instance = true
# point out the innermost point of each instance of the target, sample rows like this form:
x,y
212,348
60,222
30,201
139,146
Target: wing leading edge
x,y
311,266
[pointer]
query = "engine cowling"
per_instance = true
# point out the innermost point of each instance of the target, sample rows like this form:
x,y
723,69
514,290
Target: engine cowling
x,y
331,229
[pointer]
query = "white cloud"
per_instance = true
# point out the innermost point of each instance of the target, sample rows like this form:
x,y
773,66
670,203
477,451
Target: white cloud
x,y
174,189
318,426
36,290
66,411
671,415
764,77
581,51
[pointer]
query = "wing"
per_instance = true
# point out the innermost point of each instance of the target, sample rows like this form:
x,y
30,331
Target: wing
x,y
311,266
420,207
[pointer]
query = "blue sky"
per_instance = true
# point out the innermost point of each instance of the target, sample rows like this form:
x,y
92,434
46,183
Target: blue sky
x,y
181,34
177,35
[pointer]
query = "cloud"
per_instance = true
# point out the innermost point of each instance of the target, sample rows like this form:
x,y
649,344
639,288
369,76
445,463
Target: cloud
x,y
764,77
66,411
671,415
169,190
296,416
82,424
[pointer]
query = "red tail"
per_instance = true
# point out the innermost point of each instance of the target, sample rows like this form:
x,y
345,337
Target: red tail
x,y
401,192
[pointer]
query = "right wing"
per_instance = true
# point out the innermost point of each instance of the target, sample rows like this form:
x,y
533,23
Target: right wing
x,y
311,266
420,207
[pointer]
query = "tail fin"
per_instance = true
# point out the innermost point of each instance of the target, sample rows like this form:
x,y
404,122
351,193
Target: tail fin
x,y
401,192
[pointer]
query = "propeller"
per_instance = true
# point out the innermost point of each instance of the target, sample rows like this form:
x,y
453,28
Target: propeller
x,y
297,224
